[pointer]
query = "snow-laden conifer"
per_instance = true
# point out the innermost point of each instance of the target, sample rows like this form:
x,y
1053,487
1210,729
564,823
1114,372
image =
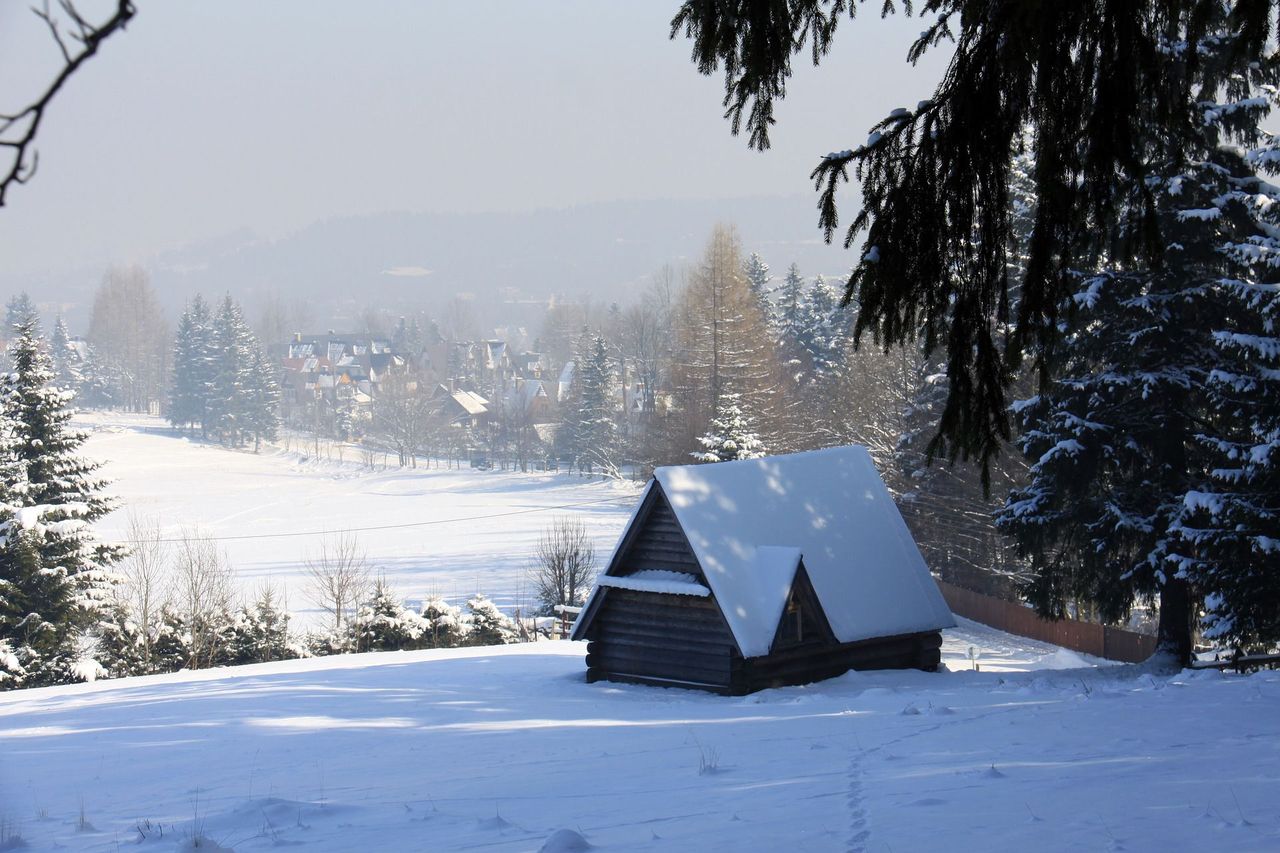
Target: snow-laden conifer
x,y
730,434
486,624
55,575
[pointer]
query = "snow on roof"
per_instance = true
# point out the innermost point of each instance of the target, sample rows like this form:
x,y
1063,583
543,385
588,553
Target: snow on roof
x,y
750,524
566,379
657,580
749,521
472,404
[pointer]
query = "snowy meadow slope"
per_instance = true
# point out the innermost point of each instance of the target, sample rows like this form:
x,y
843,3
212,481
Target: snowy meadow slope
x,y
471,531
501,748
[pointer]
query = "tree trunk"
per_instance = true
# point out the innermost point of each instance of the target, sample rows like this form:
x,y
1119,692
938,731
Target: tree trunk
x,y
1173,637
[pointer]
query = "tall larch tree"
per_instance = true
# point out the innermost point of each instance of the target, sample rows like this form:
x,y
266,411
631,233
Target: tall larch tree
x,y
722,344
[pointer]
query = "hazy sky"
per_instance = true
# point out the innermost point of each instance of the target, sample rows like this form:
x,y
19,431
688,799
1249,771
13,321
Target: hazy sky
x,y
206,117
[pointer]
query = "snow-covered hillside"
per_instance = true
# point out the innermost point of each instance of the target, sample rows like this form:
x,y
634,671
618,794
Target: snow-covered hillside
x,y
445,532
501,748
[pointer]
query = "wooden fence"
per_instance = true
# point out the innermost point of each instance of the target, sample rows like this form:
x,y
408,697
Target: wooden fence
x,y
1088,637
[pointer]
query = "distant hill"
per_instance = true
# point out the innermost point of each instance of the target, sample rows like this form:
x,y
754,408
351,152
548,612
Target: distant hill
x,y
410,260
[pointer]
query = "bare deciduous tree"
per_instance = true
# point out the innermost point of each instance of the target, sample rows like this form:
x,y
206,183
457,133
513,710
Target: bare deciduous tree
x,y
402,416
340,576
565,564
201,593
77,40
128,328
145,588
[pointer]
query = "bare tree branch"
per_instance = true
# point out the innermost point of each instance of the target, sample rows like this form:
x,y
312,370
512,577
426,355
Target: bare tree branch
x,y
27,120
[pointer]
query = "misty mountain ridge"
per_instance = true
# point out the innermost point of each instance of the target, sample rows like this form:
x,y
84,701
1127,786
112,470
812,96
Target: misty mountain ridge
x,y
403,261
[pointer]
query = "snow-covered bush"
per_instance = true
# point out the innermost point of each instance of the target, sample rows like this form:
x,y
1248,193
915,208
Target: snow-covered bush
x,y
489,626
383,623
443,624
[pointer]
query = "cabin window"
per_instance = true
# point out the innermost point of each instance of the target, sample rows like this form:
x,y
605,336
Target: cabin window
x,y
793,623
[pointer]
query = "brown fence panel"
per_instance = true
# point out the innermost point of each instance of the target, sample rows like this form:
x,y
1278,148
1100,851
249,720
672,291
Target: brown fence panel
x,y
1128,646
1087,637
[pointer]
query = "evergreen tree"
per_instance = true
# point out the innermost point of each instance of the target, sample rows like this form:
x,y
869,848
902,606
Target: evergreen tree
x,y
487,625
193,366
1116,439
822,332
120,643
443,625
55,576
18,311
758,278
1227,541
597,441
790,318
383,623
262,417
66,360
730,435
96,389
261,631
243,395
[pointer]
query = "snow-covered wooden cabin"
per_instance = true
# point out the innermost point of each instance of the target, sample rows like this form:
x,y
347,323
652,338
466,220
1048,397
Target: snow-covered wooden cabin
x,y
736,576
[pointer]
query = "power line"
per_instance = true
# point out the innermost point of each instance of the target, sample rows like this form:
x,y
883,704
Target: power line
x,y
391,526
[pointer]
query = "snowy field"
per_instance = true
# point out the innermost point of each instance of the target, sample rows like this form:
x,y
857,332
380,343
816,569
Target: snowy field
x,y
443,532
500,749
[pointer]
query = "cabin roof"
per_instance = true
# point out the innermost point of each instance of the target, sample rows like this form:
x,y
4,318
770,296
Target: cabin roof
x,y
750,523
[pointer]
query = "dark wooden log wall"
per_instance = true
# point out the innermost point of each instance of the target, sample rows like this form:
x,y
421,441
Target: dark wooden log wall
x,y
646,635
805,664
659,544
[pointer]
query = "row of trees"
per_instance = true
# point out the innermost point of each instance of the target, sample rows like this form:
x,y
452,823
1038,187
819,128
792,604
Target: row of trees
x,y
1140,281
222,379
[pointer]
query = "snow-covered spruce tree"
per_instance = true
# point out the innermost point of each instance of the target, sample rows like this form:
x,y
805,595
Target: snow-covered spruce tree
x,y
486,624
730,435
243,394
227,407
758,278
384,624
96,389
55,576
790,323
262,416
66,360
1228,541
121,647
261,630
193,366
597,441
1114,438
19,310
824,332
444,626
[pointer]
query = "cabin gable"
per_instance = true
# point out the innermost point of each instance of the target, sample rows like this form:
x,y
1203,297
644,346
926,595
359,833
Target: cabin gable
x,y
655,541
802,624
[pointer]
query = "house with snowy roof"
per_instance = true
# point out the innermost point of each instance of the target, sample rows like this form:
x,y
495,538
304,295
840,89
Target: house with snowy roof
x,y
737,576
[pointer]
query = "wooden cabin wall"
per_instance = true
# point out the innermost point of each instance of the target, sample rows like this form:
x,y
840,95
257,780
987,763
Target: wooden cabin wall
x,y
658,543
645,635
803,664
